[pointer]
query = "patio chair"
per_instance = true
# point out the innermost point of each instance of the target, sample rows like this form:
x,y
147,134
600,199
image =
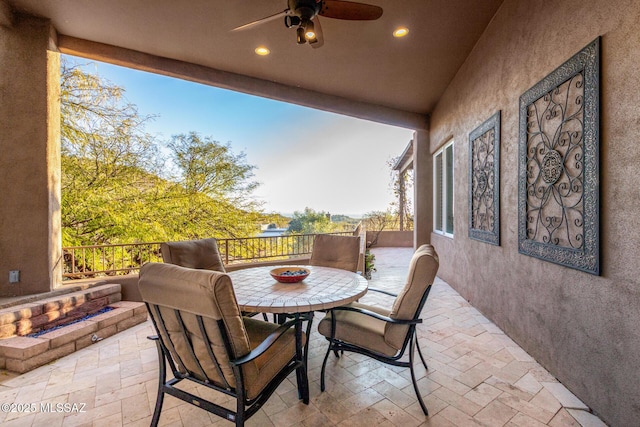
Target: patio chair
x,y
336,251
200,254
204,339
384,334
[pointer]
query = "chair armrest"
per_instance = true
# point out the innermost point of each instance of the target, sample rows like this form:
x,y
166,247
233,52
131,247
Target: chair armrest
x,y
378,316
264,345
383,292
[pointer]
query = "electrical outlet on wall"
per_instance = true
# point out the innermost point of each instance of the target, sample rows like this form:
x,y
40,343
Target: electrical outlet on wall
x,y
14,276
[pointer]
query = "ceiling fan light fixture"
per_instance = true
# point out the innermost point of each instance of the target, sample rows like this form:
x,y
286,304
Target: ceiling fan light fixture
x,y
291,21
309,31
400,32
262,51
300,35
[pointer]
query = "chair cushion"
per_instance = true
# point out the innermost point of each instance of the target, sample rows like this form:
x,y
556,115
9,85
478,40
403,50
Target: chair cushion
x,y
196,292
202,254
359,329
336,251
262,370
210,294
422,272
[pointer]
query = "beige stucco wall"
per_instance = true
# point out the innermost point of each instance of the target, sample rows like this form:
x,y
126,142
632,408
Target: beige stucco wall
x,y
391,239
423,177
29,158
583,328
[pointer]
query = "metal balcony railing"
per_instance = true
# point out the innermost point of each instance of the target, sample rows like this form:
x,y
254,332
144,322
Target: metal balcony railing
x,y
82,262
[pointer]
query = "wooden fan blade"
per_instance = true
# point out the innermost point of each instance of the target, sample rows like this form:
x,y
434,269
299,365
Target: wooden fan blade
x,y
263,20
319,41
339,9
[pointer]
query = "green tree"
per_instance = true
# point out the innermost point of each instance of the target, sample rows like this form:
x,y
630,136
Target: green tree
x,y
376,221
108,162
116,187
310,222
216,185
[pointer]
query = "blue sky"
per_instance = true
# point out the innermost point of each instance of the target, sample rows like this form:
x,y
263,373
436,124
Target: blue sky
x,y
303,157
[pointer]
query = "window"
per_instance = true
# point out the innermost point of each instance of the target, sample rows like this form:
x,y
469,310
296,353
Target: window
x,y
443,190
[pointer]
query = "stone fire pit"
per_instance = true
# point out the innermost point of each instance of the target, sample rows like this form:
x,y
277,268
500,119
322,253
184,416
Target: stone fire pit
x,y
20,353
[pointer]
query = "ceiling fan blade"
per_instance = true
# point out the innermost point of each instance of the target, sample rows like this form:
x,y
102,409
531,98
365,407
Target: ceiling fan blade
x,y
319,41
263,20
339,9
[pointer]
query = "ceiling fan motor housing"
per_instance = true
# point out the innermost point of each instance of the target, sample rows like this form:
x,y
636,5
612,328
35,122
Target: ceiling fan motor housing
x,y
305,9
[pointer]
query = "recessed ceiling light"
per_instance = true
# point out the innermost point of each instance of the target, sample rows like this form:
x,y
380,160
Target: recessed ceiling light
x,y
262,51
400,32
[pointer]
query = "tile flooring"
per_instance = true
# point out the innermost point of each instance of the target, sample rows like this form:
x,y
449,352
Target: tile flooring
x,y
477,377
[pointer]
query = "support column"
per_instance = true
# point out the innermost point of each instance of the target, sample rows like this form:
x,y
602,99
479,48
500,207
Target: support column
x,y
401,198
423,188
30,235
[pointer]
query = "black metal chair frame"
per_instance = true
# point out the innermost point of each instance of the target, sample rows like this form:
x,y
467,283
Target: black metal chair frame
x,y
245,407
411,340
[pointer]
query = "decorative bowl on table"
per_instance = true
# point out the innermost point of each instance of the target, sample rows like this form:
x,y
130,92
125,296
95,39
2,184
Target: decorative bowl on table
x,y
289,274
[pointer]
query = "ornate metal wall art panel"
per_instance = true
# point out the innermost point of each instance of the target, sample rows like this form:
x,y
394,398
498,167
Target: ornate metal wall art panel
x,y
559,177
484,181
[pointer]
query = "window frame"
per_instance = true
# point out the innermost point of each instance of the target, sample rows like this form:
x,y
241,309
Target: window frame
x,y
441,199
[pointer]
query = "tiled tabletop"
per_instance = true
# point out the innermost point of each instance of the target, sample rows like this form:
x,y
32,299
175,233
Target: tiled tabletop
x,y
324,288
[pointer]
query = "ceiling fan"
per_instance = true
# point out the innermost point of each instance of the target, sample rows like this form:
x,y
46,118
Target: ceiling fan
x,y
304,16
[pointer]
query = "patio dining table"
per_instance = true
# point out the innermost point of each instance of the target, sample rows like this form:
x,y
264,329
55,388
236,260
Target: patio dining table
x,y
257,292
325,288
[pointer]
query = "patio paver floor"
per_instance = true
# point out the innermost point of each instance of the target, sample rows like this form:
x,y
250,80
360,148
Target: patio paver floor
x,y
477,377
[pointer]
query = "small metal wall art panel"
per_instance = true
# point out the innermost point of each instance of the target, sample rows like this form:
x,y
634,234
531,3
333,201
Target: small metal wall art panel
x,y
484,181
558,175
